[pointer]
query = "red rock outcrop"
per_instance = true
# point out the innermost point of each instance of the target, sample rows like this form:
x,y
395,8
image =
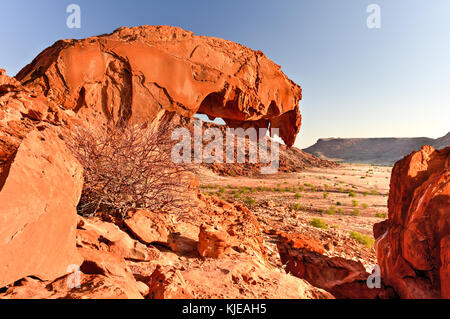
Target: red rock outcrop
x,y
96,234
135,73
110,265
168,283
304,258
39,192
149,227
20,112
229,279
413,244
91,287
212,242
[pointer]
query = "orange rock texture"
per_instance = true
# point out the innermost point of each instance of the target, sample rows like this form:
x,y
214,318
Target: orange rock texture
x,y
135,73
413,244
343,278
39,192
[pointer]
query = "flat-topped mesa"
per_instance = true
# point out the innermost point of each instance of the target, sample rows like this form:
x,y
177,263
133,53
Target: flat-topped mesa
x,y
139,73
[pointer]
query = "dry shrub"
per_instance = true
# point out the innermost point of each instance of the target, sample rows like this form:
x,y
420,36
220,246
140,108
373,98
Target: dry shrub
x,y
127,167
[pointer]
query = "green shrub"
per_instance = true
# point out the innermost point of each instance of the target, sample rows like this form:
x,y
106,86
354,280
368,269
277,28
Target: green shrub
x,y
355,203
356,212
330,211
325,195
351,194
318,223
363,239
364,205
243,190
236,194
374,192
250,201
340,211
365,193
300,207
380,215
338,203
298,195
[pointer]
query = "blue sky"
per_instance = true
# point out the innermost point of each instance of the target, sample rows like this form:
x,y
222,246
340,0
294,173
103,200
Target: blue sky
x,y
357,82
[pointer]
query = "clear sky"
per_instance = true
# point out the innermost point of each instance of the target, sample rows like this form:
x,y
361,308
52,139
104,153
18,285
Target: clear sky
x,y
357,82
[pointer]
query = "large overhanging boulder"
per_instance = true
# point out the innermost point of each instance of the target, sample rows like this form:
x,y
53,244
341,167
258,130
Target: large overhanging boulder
x,y
139,73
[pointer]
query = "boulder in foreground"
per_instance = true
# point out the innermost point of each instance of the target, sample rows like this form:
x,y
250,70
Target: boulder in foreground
x,y
39,192
413,244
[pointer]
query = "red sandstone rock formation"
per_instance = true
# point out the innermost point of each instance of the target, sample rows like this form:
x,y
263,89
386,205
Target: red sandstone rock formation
x,y
135,73
20,112
39,191
149,227
230,279
91,286
212,242
413,244
343,278
96,234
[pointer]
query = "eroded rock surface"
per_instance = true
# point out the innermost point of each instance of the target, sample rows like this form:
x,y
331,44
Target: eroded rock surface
x,y
39,192
304,258
138,73
413,244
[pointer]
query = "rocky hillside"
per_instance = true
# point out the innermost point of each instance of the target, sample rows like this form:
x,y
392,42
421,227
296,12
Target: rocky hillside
x,y
209,247
381,151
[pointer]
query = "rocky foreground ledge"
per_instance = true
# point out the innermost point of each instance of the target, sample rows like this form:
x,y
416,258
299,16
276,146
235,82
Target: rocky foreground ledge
x,y
213,249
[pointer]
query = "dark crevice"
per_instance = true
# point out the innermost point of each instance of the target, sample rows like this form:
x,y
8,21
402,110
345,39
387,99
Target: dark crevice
x,y
5,168
81,99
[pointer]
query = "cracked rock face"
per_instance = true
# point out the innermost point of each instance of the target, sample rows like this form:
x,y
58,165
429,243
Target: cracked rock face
x,y
140,73
413,244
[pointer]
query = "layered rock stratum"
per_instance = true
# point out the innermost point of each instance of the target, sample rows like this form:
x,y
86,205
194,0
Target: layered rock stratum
x,y
379,151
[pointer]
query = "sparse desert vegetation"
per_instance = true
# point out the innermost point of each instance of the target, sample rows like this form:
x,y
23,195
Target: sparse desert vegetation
x,y
318,223
330,195
363,239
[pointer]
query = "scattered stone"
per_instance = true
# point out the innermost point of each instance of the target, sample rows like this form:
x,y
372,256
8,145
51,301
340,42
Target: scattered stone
x,y
212,242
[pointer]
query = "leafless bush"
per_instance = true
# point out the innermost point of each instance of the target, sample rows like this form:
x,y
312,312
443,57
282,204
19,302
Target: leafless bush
x,y
127,167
